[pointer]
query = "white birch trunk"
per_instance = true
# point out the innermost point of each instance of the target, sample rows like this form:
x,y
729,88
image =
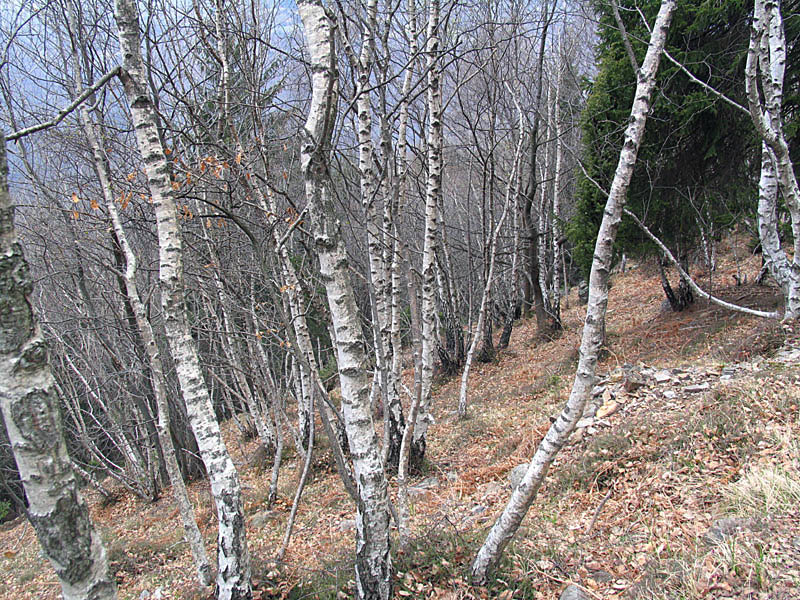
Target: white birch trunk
x,y
395,422
545,205
233,561
378,245
432,192
307,363
522,497
779,265
29,405
558,231
191,531
397,261
373,558
767,54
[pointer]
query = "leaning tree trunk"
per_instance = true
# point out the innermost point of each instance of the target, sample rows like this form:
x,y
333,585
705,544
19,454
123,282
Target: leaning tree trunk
x,y
29,405
233,561
145,330
373,558
191,531
522,497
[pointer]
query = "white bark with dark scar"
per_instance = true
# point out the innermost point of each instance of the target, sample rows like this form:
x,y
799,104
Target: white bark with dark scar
x,y
373,559
103,170
432,192
29,405
523,496
233,562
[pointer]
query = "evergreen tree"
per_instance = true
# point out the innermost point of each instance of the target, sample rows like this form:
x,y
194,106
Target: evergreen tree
x,y
698,160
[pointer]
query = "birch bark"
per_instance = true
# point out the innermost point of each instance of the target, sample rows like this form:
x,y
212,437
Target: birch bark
x,y
523,496
103,170
373,558
432,192
29,405
767,54
233,561
558,233
404,457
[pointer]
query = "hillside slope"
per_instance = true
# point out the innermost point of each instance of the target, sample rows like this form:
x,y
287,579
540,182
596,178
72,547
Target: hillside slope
x,y
684,485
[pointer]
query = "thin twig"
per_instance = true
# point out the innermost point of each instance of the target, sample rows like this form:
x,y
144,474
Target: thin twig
x,y
597,512
300,486
704,85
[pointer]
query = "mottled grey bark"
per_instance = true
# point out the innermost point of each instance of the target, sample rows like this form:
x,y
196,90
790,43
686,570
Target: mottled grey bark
x,y
29,405
523,496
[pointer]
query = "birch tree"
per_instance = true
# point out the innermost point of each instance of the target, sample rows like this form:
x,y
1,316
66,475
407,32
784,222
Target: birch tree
x,y
433,190
591,340
104,175
766,64
373,558
233,561
29,406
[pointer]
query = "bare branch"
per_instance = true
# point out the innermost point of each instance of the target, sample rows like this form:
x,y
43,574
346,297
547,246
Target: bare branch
x,y
704,85
696,288
626,40
63,113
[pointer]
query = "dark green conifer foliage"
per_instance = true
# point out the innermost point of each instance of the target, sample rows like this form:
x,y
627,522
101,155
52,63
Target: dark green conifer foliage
x,y
699,155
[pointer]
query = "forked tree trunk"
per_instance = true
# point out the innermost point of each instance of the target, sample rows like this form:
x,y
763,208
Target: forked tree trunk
x,y
373,558
233,561
767,54
522,497
374,185
777,262
29,405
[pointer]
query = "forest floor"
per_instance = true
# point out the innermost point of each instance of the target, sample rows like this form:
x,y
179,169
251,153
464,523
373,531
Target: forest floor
x,y
686,487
